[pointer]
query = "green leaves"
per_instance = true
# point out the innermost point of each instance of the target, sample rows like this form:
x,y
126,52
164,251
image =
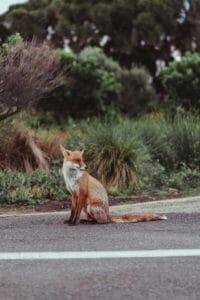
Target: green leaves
x,y
134,27
29,189
95,83
181,80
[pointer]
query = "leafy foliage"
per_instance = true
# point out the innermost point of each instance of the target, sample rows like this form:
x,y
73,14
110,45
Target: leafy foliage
x,y
182,79
95,83
29,189
138,95
185,178
89,90
147,154
155,153
139,31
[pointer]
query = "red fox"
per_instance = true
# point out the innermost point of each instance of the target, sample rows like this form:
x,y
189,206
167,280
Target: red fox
x,y
90,196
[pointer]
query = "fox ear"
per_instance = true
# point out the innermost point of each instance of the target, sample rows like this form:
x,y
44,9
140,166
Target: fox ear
x,y
64,151
81,148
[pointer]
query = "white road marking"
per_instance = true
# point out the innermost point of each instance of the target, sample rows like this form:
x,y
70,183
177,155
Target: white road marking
x,y
99,254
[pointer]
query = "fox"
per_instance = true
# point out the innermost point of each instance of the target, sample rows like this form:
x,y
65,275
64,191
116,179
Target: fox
x,y
90,196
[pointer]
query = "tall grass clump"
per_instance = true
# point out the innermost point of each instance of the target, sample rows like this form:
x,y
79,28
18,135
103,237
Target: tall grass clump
x,y
184,137
115,155
154,132
172,141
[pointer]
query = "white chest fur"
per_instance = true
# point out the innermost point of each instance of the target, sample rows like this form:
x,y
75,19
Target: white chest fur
x,y
70,176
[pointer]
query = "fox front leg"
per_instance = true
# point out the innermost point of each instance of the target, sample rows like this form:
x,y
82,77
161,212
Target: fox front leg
x,y
77,205
73,211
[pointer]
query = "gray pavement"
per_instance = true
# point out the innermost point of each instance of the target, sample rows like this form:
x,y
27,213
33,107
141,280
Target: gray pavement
x,y
144,278
178,205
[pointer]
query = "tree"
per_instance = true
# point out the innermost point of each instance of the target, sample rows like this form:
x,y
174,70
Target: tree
x,y
130,31
29,70
91,86
95,83
181,80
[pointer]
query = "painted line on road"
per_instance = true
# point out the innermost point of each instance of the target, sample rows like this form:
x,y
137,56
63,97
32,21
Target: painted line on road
x,y
99,254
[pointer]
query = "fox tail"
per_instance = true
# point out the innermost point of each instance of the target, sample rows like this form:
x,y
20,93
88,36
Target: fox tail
x,y
133,218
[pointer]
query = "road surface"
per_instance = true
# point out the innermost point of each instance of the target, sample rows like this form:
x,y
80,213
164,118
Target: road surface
x,y
127,270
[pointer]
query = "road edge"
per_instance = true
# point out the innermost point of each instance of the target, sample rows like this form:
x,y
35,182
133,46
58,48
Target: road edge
x,y
176,205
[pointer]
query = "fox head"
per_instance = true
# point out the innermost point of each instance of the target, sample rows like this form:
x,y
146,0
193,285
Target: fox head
x,y
73,159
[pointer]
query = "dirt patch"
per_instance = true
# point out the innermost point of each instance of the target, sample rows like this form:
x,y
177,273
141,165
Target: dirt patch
x,y
53,205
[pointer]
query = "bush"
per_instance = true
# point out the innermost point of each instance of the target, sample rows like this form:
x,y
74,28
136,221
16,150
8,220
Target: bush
x,y
35,66
154,177
184,140
101,60
185,179
172,141
154,132
114,154
129,155
23,150
155,153
181,80
89,90
29,189
138,96
95,83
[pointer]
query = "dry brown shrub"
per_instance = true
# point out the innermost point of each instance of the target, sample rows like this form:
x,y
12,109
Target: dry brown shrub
x,y
24,151
29,71
50,141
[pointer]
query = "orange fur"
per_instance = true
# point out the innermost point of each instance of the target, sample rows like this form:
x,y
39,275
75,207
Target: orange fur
x,y
90,196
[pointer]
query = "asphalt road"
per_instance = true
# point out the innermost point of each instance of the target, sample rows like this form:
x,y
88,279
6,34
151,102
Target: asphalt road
x,y
108,278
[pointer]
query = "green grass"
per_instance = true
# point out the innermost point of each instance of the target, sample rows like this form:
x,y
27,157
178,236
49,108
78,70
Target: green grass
x,y
155,154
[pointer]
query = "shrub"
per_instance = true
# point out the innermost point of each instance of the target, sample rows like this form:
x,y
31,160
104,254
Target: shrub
x,y
154,153
29,189
138,95
154,134
172,141
184,140
29,70
185,179
101,59
89,89
154,177
95,83
114,154
24,151
181,80
21,152
152,149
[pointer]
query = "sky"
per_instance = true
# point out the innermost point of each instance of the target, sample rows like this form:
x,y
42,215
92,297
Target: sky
x,y
4,4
